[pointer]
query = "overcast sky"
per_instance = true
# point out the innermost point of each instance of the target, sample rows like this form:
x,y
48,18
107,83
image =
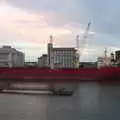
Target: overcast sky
x,y
27,25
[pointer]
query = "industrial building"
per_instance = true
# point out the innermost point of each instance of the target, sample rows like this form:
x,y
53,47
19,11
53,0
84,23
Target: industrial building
x,y
10,57
62,57
42,61
59,57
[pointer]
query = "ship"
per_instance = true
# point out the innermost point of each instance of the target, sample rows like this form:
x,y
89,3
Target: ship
x,y
62,81
57,78
47,75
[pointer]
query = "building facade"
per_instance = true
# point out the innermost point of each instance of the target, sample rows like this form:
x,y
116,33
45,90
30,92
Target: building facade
x,y
62,57
31,64
117,58
88,65
42,61
117,55
10,57
65,57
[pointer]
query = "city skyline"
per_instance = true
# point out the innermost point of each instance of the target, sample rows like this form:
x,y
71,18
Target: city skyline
x,y
26,25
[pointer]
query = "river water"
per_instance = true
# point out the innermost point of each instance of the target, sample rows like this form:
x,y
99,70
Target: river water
x,y
91,101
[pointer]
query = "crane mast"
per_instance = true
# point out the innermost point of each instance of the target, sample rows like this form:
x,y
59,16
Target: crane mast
x,y
83,41
86,34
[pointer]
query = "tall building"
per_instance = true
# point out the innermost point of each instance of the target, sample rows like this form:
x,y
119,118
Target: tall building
x,y
10,57
42,61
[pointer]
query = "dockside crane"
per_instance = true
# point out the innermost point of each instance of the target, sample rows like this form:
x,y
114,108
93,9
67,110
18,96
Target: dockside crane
x,y
81,43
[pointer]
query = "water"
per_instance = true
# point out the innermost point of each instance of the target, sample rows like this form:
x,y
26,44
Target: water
x,y
91,101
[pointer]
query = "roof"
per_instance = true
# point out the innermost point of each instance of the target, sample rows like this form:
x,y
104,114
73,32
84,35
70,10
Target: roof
x,y
63,49
7,49
44,55
118,51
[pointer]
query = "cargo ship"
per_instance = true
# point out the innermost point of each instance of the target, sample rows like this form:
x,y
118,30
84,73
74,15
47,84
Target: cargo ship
x,y
62,81
56,75
60,75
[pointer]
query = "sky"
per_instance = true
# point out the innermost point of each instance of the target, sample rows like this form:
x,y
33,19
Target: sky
x,y
27,25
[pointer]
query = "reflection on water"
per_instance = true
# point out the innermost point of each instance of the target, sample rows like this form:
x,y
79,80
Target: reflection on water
x,y
91,101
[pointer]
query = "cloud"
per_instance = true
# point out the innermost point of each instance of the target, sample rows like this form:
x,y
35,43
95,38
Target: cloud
x,y
27,26
35,20
68,10
105,14
19,27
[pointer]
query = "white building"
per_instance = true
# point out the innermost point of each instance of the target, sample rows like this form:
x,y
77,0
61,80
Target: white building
x,y
10,57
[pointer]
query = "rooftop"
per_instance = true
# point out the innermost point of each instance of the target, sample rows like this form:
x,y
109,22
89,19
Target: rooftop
x,y
44,55
7,49
64,48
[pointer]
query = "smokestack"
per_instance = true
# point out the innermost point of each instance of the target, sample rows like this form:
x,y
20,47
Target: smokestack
x,y
77,42
50,52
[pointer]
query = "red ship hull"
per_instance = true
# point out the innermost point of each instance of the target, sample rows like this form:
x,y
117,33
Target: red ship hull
x,y
61,75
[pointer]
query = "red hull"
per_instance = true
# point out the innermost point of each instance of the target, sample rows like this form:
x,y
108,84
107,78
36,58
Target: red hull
x,y
63,75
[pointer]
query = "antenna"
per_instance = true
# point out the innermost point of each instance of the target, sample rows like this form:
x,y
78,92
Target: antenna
x,y
51,39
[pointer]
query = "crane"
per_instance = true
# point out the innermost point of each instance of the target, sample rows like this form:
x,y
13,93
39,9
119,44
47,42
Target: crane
x,y
83,41
85,35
